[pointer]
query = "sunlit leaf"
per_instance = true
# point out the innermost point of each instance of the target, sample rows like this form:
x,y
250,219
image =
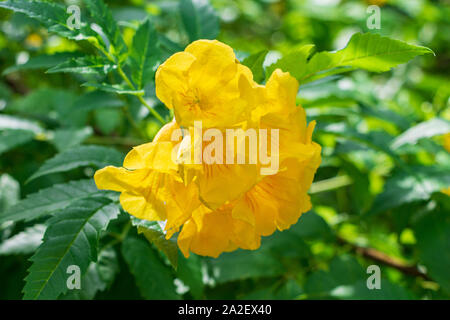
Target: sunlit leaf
x,y
71,239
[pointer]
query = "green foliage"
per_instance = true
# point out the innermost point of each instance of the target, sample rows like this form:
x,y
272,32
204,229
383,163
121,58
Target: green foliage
x,y
44,61
51,199
366,51
25,242
52,15
10,139
425,129
144,54
415,185
255,63
84,65
156,235
199,19
433,237
74,100
70,239
81,156
153,278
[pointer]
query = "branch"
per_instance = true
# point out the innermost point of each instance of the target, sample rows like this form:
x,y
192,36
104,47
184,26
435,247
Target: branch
x,y
383,258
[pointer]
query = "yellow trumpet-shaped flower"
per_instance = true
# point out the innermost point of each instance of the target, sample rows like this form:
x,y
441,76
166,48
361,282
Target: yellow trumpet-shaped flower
x,y
217,206
204,82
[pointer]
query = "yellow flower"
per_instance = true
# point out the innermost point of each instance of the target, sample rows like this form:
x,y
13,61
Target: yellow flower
x,y
150,186
447,141
276,201
446,191
204,82
219,207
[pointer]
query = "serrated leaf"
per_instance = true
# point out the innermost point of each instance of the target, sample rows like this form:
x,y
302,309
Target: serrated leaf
x,y
199,19
54,198
155,234
25,242
145,54
10,139
80,156
42,62
84,65
425,129
98,277
255,64
366,51
114,88
71,239
50,14
102,16
154,279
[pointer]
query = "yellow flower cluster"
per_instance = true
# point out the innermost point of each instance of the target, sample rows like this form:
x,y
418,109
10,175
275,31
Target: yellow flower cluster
x,y
219,207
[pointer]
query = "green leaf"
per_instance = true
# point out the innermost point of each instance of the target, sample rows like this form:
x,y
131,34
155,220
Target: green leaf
x,y
9,192
277,251
366,51
154,279
25,242
10,139
80,156
348,280
50,14
108,120
311,226
416,184
190,272
51,105
145,54
84,65
11,122
71,239
43,62
65,139
114,88
433,238
98,277
288,291
294,62
252,264
52,199
98,100
102,16
378,140
199,19
255,63
425,129
156,235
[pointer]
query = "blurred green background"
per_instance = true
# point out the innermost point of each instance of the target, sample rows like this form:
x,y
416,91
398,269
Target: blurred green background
x,y
379,195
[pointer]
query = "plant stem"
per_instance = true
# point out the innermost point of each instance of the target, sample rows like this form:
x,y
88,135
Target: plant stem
x,y
130,84
330,184
141,99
